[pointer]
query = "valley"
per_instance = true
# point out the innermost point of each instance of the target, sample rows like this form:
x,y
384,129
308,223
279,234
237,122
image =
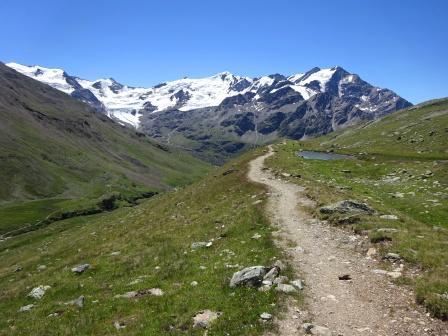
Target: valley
x,y
224,168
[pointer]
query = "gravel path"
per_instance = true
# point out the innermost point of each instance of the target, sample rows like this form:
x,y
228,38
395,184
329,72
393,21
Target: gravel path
x,y
368,304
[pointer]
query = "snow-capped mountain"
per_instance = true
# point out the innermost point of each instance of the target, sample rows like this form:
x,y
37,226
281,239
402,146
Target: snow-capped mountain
x,y
251,110
127,104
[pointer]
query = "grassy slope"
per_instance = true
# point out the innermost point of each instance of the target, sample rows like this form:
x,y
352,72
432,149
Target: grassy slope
x,y
56,150
406,144
157,233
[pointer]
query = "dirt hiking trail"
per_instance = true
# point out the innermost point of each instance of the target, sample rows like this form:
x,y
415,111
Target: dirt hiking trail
x,y
368,304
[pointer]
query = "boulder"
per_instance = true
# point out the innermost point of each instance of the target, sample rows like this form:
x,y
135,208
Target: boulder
x,y
285,288
298,284
346,207
250,276
312,329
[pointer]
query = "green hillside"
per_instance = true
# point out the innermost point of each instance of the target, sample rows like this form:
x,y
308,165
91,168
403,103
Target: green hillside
x,y
399,167
417,132
57,155
147,246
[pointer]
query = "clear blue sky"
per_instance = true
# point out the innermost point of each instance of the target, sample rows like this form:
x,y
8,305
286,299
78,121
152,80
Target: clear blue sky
x,y
402,45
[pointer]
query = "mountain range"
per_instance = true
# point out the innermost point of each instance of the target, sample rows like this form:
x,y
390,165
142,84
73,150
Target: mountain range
x,y
223,114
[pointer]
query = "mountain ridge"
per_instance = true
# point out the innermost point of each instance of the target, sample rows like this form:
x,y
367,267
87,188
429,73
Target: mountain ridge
x,y
220,116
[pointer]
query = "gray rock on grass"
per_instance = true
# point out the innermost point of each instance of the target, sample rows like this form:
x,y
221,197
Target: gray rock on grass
x,y
286,288
79,302
250,276
347,206
38,292
26,308
80,268
205,318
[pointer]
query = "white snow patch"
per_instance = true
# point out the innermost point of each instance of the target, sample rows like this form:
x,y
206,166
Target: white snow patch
x,y
322,76
52,77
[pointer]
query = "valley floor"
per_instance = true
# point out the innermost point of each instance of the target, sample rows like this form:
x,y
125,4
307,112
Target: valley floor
x,y
367,304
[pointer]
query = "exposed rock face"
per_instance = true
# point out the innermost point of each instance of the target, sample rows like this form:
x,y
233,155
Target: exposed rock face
x,y
285,107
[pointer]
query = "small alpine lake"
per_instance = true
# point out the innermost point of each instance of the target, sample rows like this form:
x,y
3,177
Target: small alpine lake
x,y
312,155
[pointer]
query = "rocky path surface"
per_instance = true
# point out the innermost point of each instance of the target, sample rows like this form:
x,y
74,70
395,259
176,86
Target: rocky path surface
x,y
368,304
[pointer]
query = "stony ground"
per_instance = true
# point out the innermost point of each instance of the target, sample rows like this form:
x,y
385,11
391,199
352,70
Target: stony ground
x,y
368,303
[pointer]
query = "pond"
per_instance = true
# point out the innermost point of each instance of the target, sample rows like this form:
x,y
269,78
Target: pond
x,y
311,155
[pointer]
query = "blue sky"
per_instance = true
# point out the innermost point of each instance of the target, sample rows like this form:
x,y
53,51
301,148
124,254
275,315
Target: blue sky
x,y
402,45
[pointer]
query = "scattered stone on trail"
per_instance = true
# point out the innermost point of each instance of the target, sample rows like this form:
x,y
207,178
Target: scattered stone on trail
x,y
298,284
119,325
80,268
115,253
312,329
249,276
397,195
280,280
392,257
205,318
79,302
286,174
344,277
194,283
198,245
371,252
285,288
347,171
26,308
257,202
393,274
347,206
141,293
38,292
18,269
390,217
266,316
41,267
